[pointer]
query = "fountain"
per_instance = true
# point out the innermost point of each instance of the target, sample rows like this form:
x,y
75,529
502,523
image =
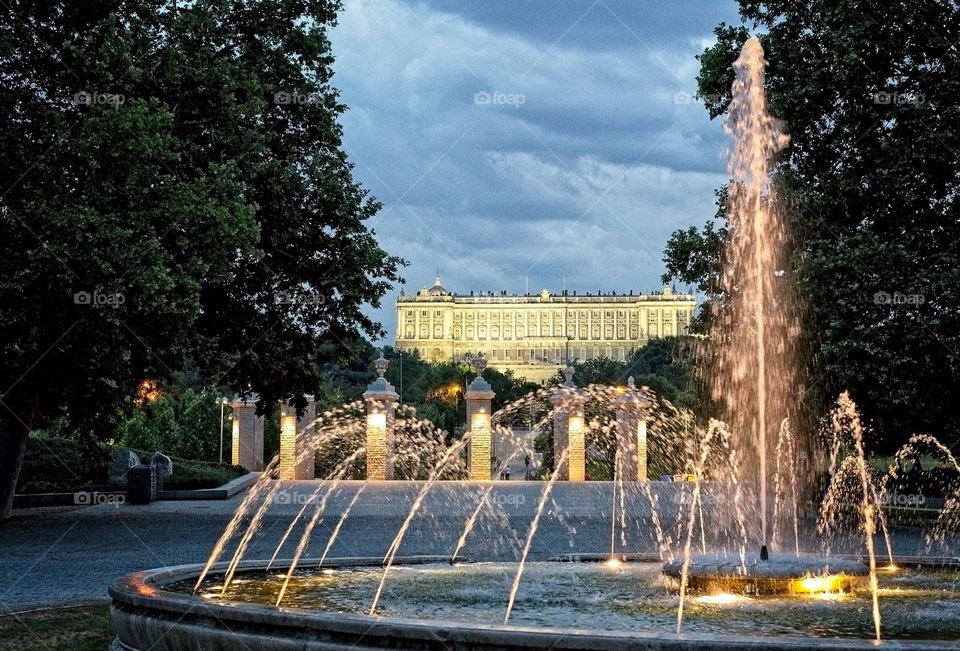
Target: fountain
x,y
699,558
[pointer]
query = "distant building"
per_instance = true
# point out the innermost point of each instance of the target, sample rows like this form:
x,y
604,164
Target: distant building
x,y
534,335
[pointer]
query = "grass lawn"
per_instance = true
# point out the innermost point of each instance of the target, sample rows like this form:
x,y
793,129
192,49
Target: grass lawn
x,y
70,628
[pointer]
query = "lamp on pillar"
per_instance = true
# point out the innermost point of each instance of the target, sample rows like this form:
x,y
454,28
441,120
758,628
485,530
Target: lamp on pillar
x,y
381,401
631,407
247,434
569,429
479,396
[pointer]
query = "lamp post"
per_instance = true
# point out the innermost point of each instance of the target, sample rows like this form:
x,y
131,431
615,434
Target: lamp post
x,y
223,403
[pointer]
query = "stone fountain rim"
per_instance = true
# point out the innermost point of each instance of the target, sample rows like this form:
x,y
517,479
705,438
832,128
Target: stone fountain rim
x,y
782,566
143,615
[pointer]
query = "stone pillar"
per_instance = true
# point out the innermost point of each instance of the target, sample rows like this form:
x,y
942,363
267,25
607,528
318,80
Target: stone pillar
x,y
296,444
288,440
479,397
631,407
306,441
381,401
247,448
569,429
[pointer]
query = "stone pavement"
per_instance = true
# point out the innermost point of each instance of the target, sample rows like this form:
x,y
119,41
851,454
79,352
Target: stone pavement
x,y
59,555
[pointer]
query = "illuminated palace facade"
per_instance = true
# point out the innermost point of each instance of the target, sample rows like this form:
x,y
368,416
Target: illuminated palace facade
x,y
534,335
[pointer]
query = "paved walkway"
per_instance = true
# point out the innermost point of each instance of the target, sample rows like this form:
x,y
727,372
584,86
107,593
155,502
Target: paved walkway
x,y
66,554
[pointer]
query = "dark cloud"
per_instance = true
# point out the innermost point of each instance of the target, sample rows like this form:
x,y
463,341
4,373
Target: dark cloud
x,y
519,144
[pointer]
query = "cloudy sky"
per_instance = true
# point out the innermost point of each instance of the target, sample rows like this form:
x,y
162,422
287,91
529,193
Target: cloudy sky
x,y
517,143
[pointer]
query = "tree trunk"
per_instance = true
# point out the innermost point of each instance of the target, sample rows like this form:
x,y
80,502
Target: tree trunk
x,y
13,444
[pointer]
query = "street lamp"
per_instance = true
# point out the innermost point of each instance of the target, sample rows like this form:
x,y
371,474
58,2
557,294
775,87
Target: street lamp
x,y
223,403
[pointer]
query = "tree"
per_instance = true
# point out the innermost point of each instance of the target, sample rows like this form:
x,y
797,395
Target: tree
x,y
870,98
176,195
692,256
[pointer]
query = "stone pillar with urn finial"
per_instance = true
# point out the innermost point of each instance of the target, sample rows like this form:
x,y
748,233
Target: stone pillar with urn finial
x,y
632,408
479,396
381,401
569,430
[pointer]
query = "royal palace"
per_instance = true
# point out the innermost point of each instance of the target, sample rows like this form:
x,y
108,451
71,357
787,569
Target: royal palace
x,y
536,334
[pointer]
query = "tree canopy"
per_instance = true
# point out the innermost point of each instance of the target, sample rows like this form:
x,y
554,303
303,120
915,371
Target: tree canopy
x,y
869,184
175,192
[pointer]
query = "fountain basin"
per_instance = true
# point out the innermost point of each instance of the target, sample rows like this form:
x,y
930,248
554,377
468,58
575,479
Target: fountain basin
x,y
149,613
780,574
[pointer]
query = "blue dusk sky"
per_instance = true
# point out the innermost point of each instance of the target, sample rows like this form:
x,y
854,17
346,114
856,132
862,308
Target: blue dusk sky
x,y
515,143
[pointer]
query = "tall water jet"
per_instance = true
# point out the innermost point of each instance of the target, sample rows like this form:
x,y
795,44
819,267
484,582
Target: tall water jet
x,y
754,332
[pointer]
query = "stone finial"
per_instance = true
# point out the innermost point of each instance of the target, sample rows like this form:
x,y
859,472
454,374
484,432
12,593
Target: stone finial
x,y
568,374
631,384
480,363
381,363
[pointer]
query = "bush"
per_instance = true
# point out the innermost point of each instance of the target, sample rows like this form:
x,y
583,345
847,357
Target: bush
x,y
193,475
59,465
